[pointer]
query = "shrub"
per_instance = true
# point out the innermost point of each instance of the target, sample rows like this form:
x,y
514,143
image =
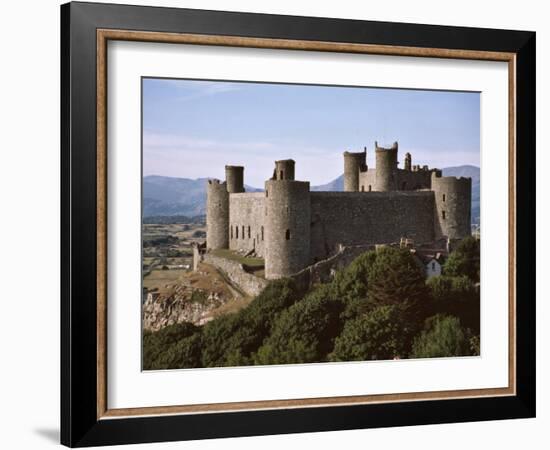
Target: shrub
x,y
304,332
442,336
464,260
456,296
230,340
156,344
375,335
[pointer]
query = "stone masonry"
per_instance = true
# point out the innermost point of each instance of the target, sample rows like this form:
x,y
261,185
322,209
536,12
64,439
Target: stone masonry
x,y
293,228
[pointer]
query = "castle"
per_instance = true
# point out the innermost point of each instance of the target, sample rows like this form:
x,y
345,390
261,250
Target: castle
x,y
292,227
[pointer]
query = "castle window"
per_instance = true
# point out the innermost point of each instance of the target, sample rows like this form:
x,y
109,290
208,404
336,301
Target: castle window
x,y
266,193
287,235
433,267
249,232
362,188
262,233
443,197
443,214
243,231
231,228
236,232
282,175
370,188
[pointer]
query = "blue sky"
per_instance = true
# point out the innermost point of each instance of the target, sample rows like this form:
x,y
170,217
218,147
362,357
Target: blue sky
x,y
191,129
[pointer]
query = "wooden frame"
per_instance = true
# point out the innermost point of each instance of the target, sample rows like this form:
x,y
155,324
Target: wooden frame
x,y
86,418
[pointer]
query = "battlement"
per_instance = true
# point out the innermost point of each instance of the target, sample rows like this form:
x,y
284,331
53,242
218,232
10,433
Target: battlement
x,y
293,227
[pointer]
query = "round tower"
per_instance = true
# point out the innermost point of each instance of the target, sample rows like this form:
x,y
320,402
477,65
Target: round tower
x,y
408,162
217,215
234,177
353,164
284,169
453,203
288,225
386,168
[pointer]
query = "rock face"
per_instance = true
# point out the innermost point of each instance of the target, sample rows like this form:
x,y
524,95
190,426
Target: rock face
x,y
189,300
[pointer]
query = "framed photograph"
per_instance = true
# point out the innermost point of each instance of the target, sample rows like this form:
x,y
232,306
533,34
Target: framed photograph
x,y
277,224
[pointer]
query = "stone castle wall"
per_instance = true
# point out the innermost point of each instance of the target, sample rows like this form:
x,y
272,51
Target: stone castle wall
x,y
248,283
369,218
247,222
405,180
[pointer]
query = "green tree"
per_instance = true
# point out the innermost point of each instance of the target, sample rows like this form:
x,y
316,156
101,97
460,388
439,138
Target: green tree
x,y
376,335
304,332
156,344
456,296
442,336
230,340
464,260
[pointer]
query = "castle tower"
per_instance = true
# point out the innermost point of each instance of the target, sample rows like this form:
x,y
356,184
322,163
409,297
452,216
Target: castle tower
x,y
284,169
234,177
386,168
217,215
408,161
353,164
453,200
288,218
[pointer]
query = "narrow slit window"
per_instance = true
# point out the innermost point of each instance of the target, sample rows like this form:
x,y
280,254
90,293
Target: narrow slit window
x,y
443,197
370,188
282,175
287,235
231,228
237,232
243,231
443,214
249,232
262,233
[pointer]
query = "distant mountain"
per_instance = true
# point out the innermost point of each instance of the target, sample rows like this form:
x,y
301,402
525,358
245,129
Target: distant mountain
x,y
334,186
169,196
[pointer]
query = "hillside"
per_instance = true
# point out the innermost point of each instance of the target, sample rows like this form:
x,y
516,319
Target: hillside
x,y
168,196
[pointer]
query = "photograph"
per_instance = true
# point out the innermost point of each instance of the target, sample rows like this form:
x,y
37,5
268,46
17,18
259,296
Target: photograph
x,y
294,223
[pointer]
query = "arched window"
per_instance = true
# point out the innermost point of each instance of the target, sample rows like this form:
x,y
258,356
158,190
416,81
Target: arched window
x,y
287,235
370,188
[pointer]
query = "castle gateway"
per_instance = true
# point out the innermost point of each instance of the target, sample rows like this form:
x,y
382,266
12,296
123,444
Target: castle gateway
x,y
292,227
